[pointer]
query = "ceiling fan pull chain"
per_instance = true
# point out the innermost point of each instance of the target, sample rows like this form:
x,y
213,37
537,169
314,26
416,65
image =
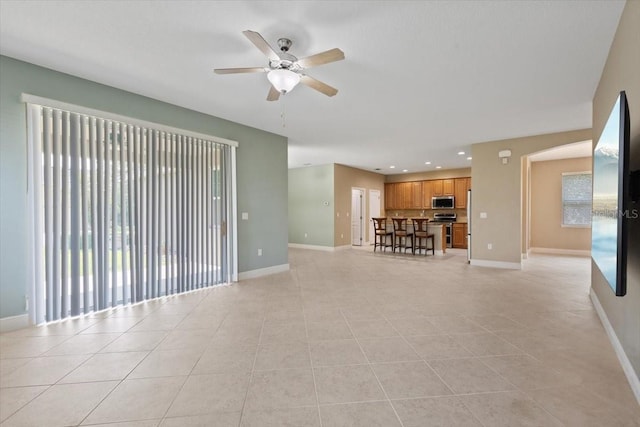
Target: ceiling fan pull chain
x,y
282,114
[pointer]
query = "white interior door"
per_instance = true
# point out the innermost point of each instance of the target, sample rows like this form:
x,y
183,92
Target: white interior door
x,y
374,211
357,196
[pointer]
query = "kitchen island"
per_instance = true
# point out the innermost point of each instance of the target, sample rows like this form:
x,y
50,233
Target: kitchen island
x,y
438,230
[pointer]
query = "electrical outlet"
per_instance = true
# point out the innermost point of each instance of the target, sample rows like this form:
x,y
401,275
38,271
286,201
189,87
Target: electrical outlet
x,y
305,235
483,215
259,252
489,246
342,236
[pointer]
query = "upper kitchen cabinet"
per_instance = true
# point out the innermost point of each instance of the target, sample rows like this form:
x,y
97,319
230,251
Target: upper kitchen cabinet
x,y
427,193
442,187
461,186
447,187
415,201
418,194
436,186
390,196
403,195
399,195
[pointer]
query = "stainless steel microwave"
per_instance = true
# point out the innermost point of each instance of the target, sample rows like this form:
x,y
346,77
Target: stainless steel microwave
x,y
442,202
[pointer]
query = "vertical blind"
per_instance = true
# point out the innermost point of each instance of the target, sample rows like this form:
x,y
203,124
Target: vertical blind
x,y
123,213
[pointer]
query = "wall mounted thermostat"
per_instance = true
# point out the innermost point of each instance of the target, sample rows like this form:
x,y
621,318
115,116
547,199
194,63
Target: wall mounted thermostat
x,y
504,155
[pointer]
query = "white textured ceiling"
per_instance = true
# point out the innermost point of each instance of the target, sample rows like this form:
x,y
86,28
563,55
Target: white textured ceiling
x,y
420,82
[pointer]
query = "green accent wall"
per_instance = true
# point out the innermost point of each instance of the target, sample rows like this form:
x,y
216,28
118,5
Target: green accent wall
x,y
261,168
309,189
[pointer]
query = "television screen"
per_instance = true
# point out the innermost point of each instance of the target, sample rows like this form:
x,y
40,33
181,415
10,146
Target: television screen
x,y
608,248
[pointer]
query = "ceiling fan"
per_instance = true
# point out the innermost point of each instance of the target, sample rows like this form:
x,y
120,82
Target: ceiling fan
x,y
285,71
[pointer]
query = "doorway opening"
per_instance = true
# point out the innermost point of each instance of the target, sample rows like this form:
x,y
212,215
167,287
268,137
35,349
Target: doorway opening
x,y
374,212
357,214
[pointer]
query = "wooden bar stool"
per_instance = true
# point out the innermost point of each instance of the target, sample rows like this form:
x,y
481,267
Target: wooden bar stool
x,y
401,234
421,233
381,234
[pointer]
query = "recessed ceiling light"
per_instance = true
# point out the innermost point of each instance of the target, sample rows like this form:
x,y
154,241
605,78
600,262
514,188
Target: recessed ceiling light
x,y
438,167
405,170
460,153
469,158
427,163
392,167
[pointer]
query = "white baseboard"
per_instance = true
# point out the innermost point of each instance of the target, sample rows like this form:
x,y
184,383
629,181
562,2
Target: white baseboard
x,y
630,373
342,248
313,247
496,264
252,274
12,323
554,251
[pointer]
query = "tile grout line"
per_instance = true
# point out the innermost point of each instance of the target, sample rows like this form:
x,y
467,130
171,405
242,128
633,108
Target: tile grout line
x,y
313,372
138,364
164,416
388,399
255,358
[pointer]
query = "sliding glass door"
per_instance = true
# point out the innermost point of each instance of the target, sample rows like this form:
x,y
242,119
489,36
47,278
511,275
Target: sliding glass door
x,y
123,213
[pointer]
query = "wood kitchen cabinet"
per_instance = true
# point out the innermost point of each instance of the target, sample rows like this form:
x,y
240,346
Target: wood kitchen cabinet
x,y
418,194
459,235
415,201
427,194
443,187
461,186
437,187
390,196
403,195
447,187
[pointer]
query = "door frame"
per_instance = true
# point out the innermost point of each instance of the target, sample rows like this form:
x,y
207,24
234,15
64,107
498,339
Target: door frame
x,y
369,214
363,214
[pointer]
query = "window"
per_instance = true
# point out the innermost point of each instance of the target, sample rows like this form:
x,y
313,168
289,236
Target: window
x,y
125,211
576,199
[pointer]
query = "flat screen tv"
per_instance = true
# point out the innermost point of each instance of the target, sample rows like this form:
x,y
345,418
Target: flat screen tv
x,y
611,198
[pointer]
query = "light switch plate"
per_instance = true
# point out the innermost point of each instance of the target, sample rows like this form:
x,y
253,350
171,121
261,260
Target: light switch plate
x,y
483,215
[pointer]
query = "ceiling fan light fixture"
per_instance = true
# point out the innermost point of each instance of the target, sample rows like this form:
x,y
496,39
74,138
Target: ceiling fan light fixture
x,y
283,80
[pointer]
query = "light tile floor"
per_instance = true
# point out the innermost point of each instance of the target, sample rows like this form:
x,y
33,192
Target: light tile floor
x,y
351,338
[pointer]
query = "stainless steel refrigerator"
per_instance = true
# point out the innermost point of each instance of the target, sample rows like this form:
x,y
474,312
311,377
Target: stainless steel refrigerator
x,y
469,226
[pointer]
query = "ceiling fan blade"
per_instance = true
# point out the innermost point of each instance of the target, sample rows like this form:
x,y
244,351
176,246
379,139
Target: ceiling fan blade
x,y
239,70
318,85
261,44
273,95
321,58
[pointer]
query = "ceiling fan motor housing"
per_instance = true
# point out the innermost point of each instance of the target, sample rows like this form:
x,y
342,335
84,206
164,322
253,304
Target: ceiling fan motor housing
x,y
284,44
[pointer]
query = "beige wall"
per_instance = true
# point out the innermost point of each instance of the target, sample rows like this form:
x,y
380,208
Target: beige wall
x,y
423,176
345,178
621,72
546,206
497,190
